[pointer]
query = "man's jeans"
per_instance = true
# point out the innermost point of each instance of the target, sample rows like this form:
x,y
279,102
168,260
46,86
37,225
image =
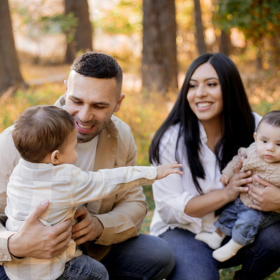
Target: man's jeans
x,y
194,258
243,223
140,258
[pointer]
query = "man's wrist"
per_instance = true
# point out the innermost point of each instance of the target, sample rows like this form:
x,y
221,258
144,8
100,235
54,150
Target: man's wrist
x,y
12,246
100,228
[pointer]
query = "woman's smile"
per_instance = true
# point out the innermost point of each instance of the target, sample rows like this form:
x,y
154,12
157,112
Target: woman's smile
x,y
203,106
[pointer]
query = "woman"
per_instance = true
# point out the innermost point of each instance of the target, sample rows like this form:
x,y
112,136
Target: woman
x,y
209,122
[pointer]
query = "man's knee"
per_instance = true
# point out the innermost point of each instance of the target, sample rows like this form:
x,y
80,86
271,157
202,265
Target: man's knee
x,y
160,255
85,268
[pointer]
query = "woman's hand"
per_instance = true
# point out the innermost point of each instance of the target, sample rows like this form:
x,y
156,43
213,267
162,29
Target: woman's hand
x,y
267,199
234,187
38,241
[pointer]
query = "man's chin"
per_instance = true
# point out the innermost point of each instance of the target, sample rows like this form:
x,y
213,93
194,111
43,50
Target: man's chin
x,y
83,138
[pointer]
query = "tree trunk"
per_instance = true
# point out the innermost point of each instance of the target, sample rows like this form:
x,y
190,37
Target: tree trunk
x,y
201,46
225,43
83,33
9,67
159,55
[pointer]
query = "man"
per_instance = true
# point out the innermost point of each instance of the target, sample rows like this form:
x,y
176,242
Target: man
x,y
107,229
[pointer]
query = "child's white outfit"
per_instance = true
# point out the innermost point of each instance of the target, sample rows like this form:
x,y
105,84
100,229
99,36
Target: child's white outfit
x,y
66,187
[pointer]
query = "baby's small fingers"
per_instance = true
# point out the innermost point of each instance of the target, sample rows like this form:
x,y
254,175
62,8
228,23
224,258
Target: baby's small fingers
x,y
178,171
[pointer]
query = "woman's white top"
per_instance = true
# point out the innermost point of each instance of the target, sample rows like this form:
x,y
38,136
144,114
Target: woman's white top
x,y
173,193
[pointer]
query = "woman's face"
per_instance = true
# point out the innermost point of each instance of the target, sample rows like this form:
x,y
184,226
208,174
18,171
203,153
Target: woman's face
x,y
205,94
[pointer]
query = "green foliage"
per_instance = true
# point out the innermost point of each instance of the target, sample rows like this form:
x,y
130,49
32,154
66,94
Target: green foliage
x,y
58,23
255,18
43,22
124,18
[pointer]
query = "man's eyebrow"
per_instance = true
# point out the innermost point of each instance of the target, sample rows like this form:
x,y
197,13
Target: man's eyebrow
x,y
93,103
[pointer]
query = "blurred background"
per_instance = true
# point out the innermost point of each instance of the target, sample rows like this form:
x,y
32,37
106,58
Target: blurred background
x,y
153,40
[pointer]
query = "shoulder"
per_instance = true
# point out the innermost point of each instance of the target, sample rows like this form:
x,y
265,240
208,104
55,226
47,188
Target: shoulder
x,y
7,145
169,139
121,125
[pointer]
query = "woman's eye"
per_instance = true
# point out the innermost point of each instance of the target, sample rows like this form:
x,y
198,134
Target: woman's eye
x,y
192,86
264,141
278,144
212,84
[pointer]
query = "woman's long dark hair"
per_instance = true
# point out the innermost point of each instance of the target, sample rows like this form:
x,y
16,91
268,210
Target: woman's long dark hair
x,y
238,120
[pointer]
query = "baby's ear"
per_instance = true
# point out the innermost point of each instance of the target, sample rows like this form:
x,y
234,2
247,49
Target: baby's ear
x,y
55,157
255,136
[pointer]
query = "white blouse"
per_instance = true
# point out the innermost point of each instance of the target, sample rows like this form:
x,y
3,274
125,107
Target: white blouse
x,y
173,193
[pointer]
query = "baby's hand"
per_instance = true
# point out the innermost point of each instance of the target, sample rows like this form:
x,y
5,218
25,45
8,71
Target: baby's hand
x,y
167,169
224,179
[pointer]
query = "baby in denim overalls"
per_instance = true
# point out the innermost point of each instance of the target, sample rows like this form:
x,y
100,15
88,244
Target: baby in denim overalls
x,y
237,220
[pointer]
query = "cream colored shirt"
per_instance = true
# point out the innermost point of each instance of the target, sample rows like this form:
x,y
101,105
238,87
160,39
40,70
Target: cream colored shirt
x,y
121,214
65,186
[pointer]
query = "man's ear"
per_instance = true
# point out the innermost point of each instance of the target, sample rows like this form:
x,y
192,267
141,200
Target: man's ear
x,y
55,157
255,136
119,103
66,87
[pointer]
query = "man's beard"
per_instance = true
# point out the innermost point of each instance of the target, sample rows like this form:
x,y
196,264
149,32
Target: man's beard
x,y
83,138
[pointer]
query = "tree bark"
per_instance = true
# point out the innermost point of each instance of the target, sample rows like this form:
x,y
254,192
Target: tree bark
x,y
200,42
225,43
83,34
159,54
9,67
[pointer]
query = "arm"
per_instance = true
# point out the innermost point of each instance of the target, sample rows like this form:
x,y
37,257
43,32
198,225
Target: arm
x,y
204,204
125,218
34,239
229,170
266,199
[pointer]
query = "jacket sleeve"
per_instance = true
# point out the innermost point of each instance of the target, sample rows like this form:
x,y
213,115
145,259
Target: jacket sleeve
x,y
9,158
125,219
229,170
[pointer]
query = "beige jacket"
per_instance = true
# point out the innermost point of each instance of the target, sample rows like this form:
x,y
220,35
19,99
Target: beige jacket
x,y
121,214
267,171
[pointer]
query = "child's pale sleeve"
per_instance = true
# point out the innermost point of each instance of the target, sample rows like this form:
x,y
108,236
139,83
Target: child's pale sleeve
x,y
229,170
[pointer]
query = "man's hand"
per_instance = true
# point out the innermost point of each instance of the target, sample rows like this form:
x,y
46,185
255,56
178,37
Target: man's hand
x,y
88,228
38,241
267,199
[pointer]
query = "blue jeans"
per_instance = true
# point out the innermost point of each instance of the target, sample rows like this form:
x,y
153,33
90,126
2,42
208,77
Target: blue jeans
x,y
140,258
194,259
243,223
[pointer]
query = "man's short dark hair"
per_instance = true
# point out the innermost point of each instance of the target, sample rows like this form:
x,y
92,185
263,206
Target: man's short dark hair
x,y
40,130
98,65
272,118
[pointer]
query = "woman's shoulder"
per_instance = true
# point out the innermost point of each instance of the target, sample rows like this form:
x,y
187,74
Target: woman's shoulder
x,y
170,136
257,119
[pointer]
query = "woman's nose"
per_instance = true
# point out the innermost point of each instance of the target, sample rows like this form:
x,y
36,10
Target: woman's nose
x,y
201,91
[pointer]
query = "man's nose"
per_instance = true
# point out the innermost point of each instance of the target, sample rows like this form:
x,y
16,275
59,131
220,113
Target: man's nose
x,y
85,114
